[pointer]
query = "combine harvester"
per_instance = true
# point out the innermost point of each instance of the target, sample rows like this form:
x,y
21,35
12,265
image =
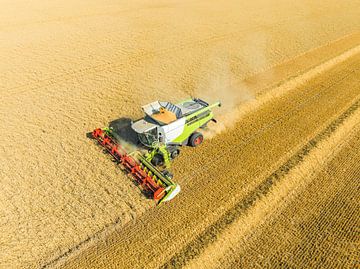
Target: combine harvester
x,y
164,129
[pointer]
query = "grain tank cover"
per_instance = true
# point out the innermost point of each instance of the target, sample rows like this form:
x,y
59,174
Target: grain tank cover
x,y
190,106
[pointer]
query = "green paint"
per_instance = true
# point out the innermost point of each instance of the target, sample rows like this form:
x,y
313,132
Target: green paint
x,y
195,120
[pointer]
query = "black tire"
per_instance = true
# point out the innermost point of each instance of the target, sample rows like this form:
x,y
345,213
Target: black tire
x,y
174,154
167,174
157,160
196,139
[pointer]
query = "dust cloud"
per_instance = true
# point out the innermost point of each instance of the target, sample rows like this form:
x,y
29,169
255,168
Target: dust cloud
x,y
223,84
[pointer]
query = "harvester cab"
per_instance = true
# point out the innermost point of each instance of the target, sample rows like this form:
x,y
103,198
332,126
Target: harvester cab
x,y
162,131
168,126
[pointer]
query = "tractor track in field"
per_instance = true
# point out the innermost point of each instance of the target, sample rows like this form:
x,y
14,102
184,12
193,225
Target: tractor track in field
x,y
209,234
194,248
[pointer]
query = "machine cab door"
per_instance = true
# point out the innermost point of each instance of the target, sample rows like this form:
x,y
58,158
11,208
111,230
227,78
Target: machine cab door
x,y
149,138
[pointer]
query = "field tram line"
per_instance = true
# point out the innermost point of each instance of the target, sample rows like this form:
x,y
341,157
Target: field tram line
x,y
194,248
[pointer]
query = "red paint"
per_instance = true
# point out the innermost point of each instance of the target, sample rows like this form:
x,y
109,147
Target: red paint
x,y
130,165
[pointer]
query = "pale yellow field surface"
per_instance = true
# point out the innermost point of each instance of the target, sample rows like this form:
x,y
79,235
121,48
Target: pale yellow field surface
x,y
285,71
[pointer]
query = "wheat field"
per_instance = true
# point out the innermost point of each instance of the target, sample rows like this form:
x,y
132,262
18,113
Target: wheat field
x,y
285,73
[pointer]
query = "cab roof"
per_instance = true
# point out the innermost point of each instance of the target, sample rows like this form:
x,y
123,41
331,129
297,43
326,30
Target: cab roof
x,y
142,126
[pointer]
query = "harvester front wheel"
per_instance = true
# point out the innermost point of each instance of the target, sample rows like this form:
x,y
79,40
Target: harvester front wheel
x,y
157,160
196,139
175,153
167,174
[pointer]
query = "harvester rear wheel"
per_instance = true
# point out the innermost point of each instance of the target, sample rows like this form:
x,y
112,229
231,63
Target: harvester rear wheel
x,y
196,139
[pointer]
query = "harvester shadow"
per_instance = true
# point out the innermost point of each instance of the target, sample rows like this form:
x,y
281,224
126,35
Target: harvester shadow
x,y
121,129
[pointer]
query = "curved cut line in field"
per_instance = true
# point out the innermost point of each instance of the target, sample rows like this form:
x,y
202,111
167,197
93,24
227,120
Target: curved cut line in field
x,y
194,248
